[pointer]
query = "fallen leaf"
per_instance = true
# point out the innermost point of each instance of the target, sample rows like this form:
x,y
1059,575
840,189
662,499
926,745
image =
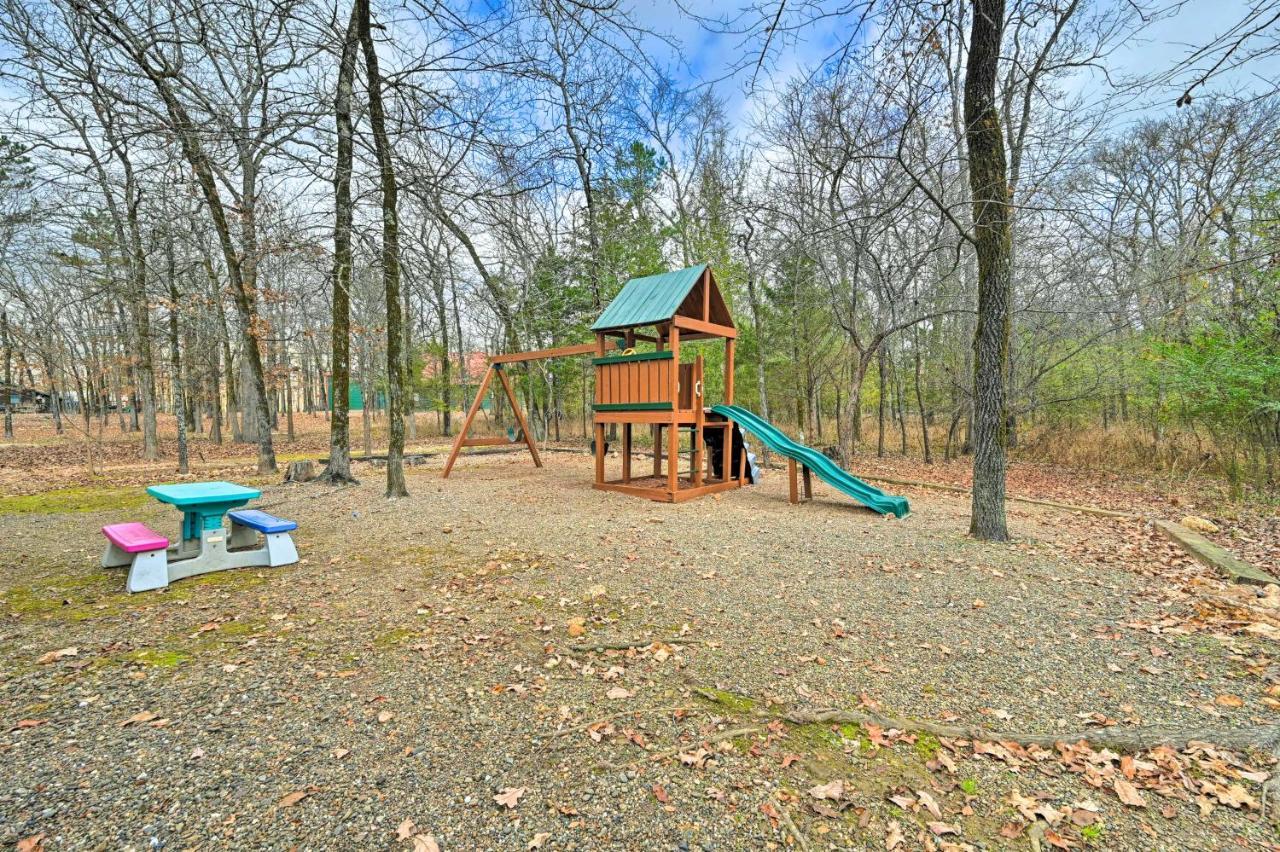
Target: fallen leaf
x,y
893,836
510,796
405,830
34,843
538,839
1129,794
339,753
833,790
1058,841
660,793
577,626
293,798
29,723
425,843
138,718
1229,701
617,692
930,803
1235,796
941,828
54,656
386,716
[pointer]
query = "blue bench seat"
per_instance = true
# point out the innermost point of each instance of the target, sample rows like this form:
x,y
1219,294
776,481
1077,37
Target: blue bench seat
x,y
261,521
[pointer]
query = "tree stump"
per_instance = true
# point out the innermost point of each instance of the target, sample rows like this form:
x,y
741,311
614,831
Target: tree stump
x,y
300,471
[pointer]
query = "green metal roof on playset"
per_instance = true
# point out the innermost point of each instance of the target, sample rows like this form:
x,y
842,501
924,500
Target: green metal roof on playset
x,y
649,300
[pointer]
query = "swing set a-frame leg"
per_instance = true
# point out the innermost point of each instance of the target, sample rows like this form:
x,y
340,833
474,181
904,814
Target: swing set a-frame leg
x,y
461,440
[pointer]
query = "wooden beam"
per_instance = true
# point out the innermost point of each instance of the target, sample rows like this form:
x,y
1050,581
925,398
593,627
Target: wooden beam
x,y
729,346
699,418
710,328
539,354
711,488
635,416
793,495
626,452
673,434
466,424
659,494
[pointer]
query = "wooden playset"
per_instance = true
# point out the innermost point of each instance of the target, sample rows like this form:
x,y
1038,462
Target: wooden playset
x,y
640,380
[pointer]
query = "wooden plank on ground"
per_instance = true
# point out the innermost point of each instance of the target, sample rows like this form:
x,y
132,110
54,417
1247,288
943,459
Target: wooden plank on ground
x,y
1210,554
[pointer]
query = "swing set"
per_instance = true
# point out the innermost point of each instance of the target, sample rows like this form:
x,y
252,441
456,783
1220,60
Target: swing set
x,y
649,388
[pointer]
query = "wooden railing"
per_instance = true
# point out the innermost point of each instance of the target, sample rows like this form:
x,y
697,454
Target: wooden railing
x,y
642,383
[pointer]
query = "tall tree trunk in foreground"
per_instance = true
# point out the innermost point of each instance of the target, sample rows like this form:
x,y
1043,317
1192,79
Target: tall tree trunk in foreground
x,y
339,468
390,264
993,243
175,358
8,376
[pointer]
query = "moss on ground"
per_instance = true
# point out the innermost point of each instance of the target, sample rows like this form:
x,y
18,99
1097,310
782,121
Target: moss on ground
x,y
94,593
732,701
392,638
84,499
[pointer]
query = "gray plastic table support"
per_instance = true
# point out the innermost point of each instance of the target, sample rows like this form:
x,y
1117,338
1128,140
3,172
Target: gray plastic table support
x,y
204,544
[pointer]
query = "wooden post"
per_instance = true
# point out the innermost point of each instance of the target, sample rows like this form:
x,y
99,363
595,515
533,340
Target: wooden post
x,y
466,424
726,469
728,370
657,449
699,416
742,464
626,452
519,412
673,459
793,492
808,483
673,431
598,426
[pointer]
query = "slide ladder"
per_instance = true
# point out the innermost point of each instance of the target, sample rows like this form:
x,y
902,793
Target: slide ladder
x,y
827,470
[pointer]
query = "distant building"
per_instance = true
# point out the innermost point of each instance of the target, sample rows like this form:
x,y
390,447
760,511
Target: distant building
x,y
26,399
477,363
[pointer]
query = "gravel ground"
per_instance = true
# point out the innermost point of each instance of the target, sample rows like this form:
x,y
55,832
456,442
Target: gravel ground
x,y
419,662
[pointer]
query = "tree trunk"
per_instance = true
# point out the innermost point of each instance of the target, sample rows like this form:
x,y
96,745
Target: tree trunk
x,y
390,263
215,428
8,375
924,420
239,264
880,413
338,469
175,358
993,244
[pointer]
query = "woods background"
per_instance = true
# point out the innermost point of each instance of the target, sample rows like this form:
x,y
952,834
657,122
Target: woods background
x,y
170,173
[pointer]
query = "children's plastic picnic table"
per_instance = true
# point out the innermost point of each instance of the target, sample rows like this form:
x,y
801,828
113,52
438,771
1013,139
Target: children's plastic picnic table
x,y
203,546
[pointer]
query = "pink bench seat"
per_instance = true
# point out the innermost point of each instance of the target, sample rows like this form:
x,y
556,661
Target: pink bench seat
x,y
134,537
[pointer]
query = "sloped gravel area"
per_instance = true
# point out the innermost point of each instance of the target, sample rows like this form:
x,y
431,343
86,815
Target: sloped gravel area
x,y
435,671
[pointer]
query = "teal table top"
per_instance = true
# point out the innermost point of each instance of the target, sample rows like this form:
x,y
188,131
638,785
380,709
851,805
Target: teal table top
x,y
193,495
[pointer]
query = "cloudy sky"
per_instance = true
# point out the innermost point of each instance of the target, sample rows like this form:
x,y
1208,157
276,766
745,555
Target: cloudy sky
x,y
710,56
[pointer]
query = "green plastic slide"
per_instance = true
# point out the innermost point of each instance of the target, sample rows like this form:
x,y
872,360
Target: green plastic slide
x,y
827,470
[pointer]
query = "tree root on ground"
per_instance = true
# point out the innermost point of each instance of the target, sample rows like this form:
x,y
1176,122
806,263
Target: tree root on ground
x,y
1256,738
1261,737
